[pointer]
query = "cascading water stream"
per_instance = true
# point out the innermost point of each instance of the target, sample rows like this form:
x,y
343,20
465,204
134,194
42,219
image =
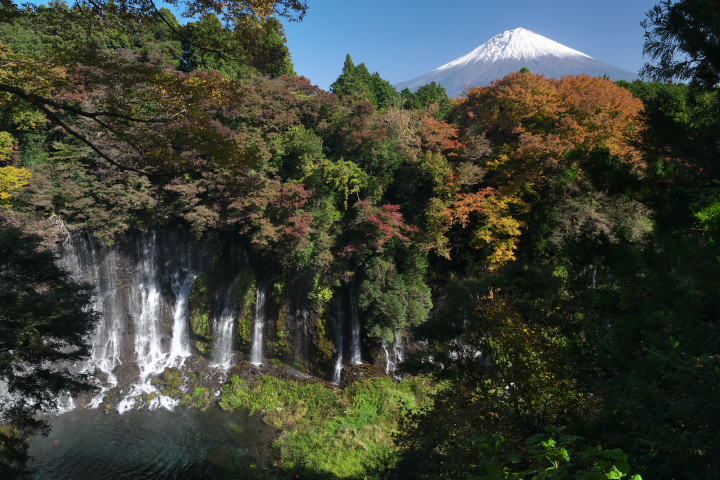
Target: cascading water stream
x,y
389,365
86,261
143,283
355,348
180,346
301,327
398,352
339,323
397,356
223,331
256,350
146,310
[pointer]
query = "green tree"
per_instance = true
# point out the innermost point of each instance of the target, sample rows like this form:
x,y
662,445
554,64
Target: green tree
x,y
427,95
548,457
357,80
683,38
254,47
394,297
133,92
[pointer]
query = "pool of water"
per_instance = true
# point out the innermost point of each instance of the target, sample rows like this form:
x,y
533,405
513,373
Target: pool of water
x,y
157,444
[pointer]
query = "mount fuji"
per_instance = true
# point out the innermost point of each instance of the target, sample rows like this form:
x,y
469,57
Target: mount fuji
x,y
509,52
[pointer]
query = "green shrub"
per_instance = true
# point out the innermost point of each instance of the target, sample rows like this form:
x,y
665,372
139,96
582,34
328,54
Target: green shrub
x,y
548,457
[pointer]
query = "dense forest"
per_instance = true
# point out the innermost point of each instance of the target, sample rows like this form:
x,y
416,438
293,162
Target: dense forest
x,y
546,248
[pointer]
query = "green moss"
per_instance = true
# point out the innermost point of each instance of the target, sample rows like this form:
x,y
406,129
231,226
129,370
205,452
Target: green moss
x,y
245,292
278,362
171,383
318,422
323,342
282,344
200,398
199,306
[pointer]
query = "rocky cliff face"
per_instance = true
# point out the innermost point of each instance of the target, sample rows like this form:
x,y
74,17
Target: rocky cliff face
x,y
176,313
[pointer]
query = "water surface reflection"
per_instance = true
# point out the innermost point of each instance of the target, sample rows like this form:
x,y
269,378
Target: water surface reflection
x,y
157,444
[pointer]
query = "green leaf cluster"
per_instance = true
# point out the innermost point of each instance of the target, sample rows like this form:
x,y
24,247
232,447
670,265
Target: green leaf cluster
x,y
548,458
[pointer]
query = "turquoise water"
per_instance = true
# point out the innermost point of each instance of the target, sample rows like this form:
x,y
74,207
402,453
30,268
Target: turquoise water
x,y
158,444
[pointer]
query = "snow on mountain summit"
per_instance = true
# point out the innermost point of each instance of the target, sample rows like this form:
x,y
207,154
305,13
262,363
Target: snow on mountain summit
x,y
509,52
515,44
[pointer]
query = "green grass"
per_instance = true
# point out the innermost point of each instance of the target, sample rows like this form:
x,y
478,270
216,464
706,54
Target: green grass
x,y
332,434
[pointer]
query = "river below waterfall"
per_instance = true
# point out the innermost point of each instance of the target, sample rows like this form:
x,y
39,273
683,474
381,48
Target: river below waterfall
x,y
156,444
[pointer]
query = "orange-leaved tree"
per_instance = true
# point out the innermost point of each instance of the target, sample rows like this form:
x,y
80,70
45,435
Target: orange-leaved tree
x,y
532,123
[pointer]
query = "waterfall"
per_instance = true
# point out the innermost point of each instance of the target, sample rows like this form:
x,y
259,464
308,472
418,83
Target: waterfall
x,y
180,346
339,323
389,365
301,328
65,404
223,331
146,309
86,261
172,264
355,348
256,350
142,284
398,352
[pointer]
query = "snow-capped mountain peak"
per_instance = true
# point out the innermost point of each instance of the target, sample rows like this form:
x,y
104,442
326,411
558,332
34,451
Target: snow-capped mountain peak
x,y
510,52
515,44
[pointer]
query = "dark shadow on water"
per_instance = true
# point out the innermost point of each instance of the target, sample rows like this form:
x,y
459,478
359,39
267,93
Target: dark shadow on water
x,y
159,445
186,443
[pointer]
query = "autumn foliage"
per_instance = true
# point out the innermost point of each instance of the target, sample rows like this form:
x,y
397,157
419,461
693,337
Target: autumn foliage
x,y
12,179
379,226
533,122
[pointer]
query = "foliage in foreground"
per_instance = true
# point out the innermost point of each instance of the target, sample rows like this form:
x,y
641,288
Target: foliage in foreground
x,y
44,321
330,433
548,458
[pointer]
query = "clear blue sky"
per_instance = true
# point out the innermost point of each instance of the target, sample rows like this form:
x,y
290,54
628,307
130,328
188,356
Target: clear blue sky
x,y
402,39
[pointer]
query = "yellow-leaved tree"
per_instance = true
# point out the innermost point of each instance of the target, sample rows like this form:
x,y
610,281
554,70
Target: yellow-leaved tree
x,y
12,179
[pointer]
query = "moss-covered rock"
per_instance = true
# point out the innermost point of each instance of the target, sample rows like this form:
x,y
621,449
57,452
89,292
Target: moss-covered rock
x,y
199,306
171,383
322,340
202,346
245,292
280,342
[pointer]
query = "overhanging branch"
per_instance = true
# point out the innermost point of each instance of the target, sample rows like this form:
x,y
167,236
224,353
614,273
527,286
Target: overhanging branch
x,y
39,100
